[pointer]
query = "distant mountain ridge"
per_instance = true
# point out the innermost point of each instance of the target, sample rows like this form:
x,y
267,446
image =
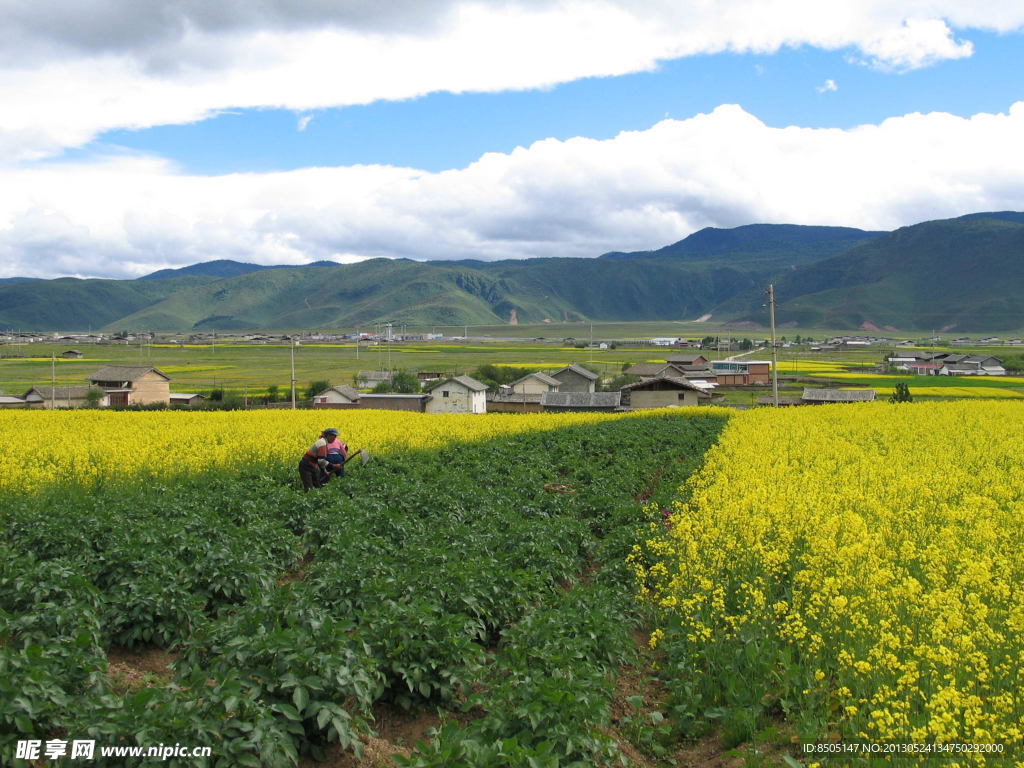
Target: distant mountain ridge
x,y
222,268
963,273
792,241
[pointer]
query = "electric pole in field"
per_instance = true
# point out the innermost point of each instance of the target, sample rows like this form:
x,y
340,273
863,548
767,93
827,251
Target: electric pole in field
x,y
293,371
775,351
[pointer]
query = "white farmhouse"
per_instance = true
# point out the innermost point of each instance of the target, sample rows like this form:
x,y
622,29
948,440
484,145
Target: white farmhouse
x,y
458,394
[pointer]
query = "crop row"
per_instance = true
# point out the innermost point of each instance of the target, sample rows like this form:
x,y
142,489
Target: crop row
x,y
291,615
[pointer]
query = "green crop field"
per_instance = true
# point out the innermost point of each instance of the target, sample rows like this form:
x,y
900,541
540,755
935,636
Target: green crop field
x,y
482,588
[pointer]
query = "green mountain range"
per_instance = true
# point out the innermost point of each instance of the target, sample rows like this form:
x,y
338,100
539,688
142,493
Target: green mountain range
x,y
965,273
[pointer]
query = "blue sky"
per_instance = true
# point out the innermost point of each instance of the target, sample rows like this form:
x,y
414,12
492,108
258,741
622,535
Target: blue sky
x,y
136,137
442,131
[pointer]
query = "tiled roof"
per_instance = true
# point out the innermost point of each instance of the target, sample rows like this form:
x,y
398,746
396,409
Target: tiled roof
x,y
677,381
580,399
60,393
470,383
467,381
542,377
125,373
578,370
646,369
514,397
345,391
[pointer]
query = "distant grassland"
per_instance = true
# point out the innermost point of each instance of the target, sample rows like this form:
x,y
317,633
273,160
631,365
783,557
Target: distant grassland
x,y
254,367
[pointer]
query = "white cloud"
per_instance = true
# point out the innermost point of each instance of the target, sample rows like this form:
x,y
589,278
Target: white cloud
x,y
303,123
70,70
642,189
828,86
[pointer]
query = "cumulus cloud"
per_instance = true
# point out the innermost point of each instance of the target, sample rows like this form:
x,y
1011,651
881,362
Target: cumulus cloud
x,y
129,215
827,87
70,70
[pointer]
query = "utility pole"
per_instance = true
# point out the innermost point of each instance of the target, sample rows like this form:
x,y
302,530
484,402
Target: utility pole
x,y
293,371
775,351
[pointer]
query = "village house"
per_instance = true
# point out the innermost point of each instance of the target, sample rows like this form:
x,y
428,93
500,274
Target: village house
x,y
663,392
917,361
972,365
947,364
741,372
523,395
72,354
535,384
341,396
458,394
61,397
132,385
9,401
575,378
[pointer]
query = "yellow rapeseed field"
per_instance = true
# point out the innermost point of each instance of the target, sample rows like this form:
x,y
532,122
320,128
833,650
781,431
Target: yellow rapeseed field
x,y
90,446
871,557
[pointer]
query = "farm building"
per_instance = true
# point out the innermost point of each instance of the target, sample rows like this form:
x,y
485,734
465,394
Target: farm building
x,y
72,354
580,401
60,397
575,378
972,365
821,396
742,372
535,384
132,385
9,401
187,399
948,364
663,392
341,396
394,401
458,394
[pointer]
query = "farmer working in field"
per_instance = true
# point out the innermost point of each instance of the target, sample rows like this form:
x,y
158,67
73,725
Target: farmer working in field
x,y
325,458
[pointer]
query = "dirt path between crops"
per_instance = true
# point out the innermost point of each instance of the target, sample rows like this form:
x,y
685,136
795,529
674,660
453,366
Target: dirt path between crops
x,y
131,669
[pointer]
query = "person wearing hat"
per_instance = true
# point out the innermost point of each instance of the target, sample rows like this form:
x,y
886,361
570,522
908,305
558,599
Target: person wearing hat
x,y
315,467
